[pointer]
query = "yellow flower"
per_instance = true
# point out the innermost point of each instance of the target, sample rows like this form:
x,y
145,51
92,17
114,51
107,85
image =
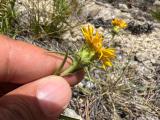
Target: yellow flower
x,y
95,42
119,23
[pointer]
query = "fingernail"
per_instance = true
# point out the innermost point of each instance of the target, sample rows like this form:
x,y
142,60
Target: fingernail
x,y
53,95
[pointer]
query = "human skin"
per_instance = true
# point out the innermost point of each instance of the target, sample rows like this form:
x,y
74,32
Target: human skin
x,y
28,89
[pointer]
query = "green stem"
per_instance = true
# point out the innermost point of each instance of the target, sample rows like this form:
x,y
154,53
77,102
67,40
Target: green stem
x,y
113,35
75,66
112,39
62,65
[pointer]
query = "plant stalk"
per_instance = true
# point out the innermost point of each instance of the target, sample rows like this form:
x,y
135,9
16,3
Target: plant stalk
x,y
75,66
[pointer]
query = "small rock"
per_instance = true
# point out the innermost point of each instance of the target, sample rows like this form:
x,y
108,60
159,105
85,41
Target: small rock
x,y
139,57
153,61
123,7
81,101
94,12
81,2
66,35
78,37
148,64
89,85
126,15
101,29
156,3
72,39
71,113
81,84
119,57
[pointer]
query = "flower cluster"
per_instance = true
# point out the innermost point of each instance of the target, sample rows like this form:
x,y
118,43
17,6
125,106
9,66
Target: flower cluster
x,y
95,43
119,23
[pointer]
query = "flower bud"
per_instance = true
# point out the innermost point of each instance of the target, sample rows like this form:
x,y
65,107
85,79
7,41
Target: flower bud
x,y
115,30
85,56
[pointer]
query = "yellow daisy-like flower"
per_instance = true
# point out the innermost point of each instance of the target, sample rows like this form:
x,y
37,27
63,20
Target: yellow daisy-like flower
x,y
119,23
95,42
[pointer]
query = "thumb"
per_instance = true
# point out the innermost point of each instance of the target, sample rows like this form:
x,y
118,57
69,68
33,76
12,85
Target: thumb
x,y
43,99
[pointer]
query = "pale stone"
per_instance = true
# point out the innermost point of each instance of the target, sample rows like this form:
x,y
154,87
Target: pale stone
x,y
71,113
123,7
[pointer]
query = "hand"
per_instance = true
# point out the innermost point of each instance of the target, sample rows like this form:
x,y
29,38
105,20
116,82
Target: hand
x,y
27,88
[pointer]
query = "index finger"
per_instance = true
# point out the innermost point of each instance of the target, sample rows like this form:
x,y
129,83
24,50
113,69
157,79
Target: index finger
x,y
21,62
